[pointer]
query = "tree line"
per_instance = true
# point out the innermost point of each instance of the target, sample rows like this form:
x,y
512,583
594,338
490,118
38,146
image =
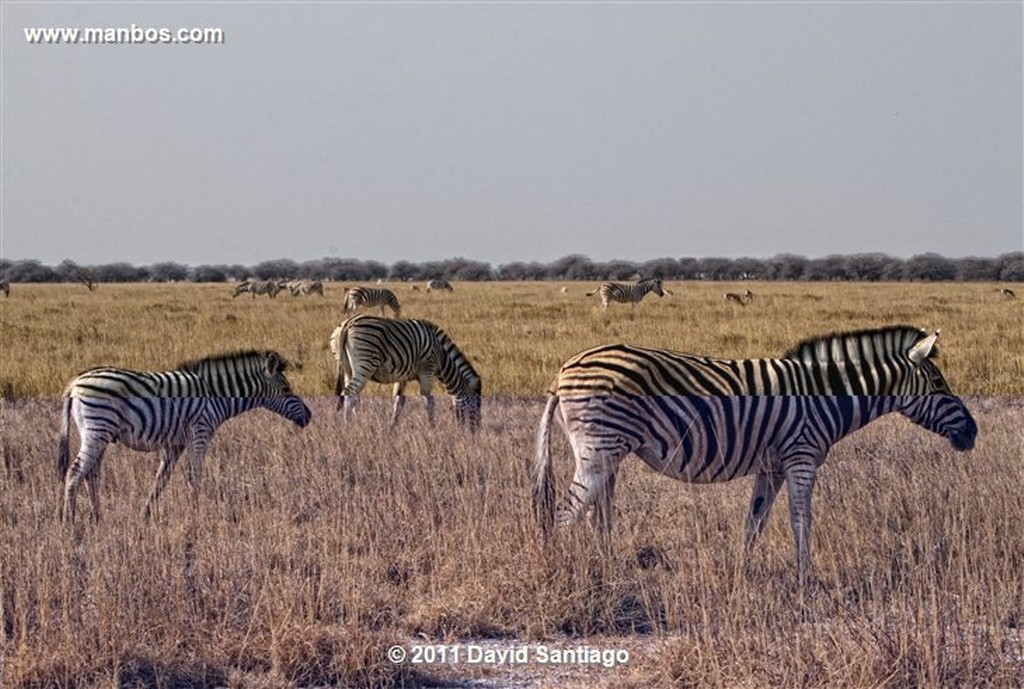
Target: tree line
x,y
867,267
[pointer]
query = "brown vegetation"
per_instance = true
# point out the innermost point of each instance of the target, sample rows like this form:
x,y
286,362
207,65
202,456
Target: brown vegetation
x,y
312,552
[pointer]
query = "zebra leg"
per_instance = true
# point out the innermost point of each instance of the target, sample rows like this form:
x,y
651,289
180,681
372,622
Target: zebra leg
x,y
163,473
766,489
602,515
396,410
92,482
800,483
590,480
89,455
195,465
426,385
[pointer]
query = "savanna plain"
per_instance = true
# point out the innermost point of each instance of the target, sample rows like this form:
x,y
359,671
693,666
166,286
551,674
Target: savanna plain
x,y
310,553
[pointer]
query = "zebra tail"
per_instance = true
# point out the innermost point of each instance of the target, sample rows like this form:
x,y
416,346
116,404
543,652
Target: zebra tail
x,y
338,349
590,294
543,475
64,451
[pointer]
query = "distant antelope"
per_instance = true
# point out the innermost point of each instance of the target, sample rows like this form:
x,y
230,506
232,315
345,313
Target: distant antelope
x,y
630,293
741,299
438,283
1008,293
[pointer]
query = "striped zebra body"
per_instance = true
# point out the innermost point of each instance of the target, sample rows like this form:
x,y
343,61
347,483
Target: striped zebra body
x,y
268,287
368,297
5,287
299,288
397,351
169,411
628,293
705,420
439,284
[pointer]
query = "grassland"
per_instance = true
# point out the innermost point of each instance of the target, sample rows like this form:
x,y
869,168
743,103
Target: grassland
x,y
312,552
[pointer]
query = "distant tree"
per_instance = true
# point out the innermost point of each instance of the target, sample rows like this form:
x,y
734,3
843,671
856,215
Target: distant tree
x,y
29,271
786,266
869,267
119,272
572,267
465,269
748,268
617,270
976,269
278,269
664,268
716,268
518,270
403,271
689,269
168,272
1011,267
929,267
209,274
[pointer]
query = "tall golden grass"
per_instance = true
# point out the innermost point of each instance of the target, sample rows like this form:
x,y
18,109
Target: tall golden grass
x,y
311,552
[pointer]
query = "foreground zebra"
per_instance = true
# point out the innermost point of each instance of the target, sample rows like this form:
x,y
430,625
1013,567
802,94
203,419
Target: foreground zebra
x,y
268,287
169,411
628,293
397,351
741,299
705,420
438,283
369,297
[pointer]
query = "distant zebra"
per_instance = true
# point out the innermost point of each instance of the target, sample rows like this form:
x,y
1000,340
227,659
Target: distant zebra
x,y
628,293
369,297
397,351
167,410
268,287
741,299
301,287
705,420
438,283
1008,293
5,287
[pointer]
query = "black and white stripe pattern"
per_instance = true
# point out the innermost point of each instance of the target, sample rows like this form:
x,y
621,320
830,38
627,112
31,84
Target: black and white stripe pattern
x,y
704,420
439,284
169,411
397,351
368,297
628,293
268,287
301,287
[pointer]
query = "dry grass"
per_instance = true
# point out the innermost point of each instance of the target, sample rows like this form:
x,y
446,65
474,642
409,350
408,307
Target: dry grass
x,y
311,552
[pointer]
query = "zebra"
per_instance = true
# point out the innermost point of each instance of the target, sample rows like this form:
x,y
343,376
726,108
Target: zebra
x,y
169,411
628,293
741,299
704,420
1008,293
400,350
5,287
372,296
438,284
268,287
300,287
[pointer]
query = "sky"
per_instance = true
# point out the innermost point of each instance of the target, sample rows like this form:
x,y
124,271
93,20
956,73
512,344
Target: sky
x,y
512,131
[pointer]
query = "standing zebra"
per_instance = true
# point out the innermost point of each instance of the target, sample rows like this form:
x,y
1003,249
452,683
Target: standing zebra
x,y
438,283
5,287
398,351
372,296
705,420
628,293
168,410
268,287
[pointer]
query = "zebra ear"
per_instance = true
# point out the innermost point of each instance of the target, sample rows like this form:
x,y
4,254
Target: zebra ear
x,y
275,364
923,349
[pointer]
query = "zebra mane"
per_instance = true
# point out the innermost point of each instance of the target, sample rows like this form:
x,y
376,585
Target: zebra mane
x,y
886,339
204,364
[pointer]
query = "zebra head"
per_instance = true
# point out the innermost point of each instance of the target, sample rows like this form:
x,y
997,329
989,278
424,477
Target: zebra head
x,y
930,403
468,410
654,285
277,391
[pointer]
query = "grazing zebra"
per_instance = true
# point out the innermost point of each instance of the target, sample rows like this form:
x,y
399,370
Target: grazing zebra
x,y
5,287
300,287
438,283
741,299
169,411
372,296
1008,293
628,293
268,287
705,420
398,351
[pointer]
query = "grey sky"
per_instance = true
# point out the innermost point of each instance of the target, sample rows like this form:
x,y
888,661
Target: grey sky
x,y
514,131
